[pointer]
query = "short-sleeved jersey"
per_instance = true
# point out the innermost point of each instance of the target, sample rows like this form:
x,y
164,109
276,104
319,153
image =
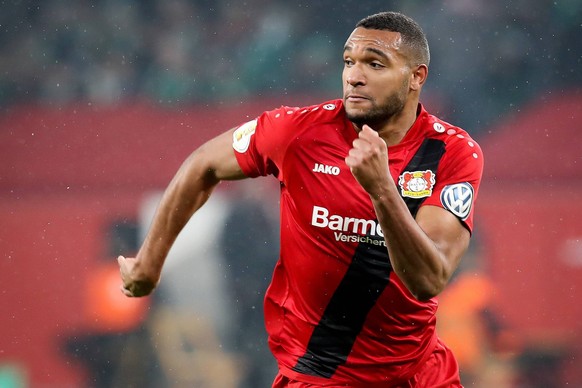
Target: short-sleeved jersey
x,y
335,311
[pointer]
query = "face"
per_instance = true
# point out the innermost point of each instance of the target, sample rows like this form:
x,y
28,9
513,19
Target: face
x,y
376,76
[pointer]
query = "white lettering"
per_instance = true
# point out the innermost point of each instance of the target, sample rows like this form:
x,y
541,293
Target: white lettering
x,y
335,222
363,230
359,239
325,169
319,217
364,226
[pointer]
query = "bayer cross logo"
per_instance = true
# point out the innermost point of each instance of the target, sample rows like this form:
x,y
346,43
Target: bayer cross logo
x,y
458,199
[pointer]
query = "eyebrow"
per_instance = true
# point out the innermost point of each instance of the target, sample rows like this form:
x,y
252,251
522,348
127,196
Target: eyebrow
x,y
376,51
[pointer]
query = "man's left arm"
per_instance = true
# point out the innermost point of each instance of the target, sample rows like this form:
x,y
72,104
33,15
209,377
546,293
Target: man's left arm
x,y
424,252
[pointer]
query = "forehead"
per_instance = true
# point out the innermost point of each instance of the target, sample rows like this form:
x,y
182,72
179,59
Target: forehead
x,y
385,41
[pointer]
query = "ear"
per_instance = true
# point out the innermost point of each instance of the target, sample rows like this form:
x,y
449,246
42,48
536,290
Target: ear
x,y
418,77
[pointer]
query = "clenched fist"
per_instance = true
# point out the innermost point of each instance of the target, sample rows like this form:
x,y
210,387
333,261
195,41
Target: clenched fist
x,y
368,162
135,284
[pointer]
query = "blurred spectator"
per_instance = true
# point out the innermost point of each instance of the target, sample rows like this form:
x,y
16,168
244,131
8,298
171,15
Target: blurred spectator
x,y
111,342
250,247
191,321
468,324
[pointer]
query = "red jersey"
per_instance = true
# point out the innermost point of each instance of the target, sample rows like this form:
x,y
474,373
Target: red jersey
x,y
335,311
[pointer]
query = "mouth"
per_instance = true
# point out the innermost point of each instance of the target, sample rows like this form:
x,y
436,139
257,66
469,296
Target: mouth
x,y
352,97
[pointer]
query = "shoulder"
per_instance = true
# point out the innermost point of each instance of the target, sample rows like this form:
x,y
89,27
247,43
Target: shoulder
x,y
285,121
269,137
458,142
294,116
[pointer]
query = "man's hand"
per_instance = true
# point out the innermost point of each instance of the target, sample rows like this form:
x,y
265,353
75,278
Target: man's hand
x,y
368,162
133,284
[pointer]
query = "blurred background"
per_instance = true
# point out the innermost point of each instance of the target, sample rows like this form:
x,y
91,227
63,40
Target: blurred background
x,y
101,101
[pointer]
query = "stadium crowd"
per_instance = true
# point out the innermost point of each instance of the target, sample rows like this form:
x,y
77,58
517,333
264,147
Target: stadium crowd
x,y
490,56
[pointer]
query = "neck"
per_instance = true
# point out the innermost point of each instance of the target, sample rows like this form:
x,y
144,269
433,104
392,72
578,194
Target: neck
x,y
396,128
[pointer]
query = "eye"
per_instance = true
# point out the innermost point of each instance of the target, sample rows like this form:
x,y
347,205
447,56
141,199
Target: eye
x,y
377,65
348,62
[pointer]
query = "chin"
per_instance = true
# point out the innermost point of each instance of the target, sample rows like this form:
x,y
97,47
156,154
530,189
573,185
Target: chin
x,y
359,120
355,113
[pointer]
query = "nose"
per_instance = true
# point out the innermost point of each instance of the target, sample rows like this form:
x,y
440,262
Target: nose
x,y
355,76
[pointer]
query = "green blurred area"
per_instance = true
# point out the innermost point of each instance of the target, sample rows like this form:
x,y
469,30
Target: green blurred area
x,y
488,57
12,376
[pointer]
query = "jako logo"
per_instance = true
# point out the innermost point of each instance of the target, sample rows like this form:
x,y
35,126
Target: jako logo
x,y
325,169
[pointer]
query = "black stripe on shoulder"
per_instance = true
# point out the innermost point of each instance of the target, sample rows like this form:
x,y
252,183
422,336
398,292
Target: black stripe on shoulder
x,y
427,157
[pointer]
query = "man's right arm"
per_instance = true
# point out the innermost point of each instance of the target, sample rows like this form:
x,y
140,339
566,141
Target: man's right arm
x,y
187,192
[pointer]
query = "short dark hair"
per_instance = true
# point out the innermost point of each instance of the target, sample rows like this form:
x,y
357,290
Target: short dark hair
x,y
412,34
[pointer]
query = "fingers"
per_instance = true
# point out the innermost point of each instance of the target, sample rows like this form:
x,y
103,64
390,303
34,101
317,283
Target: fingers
x,y
363,146
367,139
368,133
367,129
126,292
123,271
133,285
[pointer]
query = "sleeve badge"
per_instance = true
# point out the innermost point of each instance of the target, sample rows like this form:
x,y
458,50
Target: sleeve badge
x,y
241,137
458,199
416,184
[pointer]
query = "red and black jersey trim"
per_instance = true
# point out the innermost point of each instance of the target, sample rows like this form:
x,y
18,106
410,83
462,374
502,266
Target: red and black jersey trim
x,y
427,157
367,276
342,321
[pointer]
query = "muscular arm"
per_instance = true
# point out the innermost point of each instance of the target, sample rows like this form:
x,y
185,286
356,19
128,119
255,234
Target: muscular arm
x,y
187,192
425,251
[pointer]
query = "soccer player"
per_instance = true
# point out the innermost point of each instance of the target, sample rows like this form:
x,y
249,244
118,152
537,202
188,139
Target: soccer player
x,y
377,203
